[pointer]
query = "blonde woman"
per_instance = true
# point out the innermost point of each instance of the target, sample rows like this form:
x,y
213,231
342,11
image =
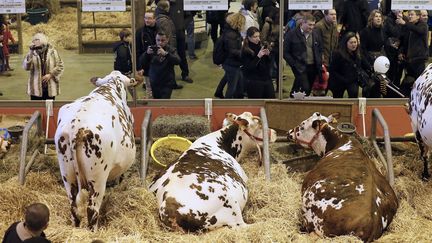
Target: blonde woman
x,y
46,68
232,42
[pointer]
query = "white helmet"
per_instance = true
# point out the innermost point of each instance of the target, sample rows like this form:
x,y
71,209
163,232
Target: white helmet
x,y
381,64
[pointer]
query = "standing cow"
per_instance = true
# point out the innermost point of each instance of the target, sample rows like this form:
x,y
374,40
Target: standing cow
x,y
95,143
206,188
420,111
344,194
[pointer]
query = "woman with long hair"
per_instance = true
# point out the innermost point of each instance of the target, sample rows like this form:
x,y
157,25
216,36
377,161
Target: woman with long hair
x,y
372,37
344,67
256,66
232,44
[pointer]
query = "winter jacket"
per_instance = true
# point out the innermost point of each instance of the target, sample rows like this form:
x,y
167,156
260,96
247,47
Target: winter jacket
x,y
161,72
343,69
354,15
122,57
295,50
329,36
232,46
416,48
144,37
165,24
255,68
53,65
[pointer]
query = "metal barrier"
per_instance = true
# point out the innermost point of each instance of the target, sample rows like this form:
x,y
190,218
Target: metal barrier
x,y
376,115
146,142
24,169
266,152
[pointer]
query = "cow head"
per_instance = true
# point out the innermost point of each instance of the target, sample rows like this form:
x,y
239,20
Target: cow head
x,y
4,145
247,133
116,76
309,133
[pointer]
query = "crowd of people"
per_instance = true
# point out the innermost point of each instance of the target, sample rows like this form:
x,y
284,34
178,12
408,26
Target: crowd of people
x,y
327,50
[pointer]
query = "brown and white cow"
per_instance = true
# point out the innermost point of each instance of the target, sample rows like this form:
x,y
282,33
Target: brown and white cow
x,y
420,111
4,145
95,143
344,194
206,188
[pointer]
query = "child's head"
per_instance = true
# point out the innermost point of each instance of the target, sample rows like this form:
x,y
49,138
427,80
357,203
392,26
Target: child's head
x,y
36,216
125,35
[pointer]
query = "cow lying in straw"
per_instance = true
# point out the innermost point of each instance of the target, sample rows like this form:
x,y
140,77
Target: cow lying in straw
x,y
344,194
206,188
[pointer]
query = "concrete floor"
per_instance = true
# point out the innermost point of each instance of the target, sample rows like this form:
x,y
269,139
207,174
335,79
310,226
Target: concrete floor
x,y
80,68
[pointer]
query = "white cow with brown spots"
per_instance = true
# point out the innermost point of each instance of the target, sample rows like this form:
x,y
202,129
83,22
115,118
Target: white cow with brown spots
x,y
95,143
344,194
206,188
4,145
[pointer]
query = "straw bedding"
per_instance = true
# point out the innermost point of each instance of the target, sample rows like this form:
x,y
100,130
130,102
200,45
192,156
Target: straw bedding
x,y
129,211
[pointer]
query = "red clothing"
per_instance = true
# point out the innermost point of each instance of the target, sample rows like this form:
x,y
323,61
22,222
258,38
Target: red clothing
x,y
7,35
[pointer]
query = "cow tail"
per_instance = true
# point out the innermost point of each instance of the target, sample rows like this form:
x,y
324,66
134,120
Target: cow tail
x,y
78,152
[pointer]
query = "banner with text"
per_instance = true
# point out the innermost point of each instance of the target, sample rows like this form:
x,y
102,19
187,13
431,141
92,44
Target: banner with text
x,y
12,6
310,4
103,5
411,5
198,5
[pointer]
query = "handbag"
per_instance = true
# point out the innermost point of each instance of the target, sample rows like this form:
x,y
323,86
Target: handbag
x,y
363,78
317,85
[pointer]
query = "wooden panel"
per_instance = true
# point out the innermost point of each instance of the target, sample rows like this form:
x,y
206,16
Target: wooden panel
x,y
285,115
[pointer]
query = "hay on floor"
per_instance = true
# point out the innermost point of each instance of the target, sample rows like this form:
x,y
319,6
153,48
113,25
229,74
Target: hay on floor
x,y
129,212
181,125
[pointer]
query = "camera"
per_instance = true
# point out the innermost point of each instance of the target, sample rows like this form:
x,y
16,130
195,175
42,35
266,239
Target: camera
x,y
267,45
35,48
154,48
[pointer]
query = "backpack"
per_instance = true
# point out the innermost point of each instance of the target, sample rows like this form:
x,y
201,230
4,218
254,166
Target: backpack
x,y
219,54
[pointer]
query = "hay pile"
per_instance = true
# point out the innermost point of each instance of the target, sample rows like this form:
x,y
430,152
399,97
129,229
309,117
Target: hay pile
x,y
62,27
129,211
181,125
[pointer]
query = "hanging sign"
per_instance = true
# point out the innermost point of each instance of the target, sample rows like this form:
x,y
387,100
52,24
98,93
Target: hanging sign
x,y
411,5
103,5
12,6
310,4
198,5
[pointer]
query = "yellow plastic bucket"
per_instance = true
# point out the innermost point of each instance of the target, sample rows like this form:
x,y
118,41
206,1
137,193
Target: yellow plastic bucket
x,y
172,142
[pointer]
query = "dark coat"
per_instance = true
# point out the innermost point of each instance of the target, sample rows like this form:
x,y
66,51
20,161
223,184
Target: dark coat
x,y
165,24
354,15
295,50
123,58
161,72
144,37
416,48
343,69
255,68
232,46
329,36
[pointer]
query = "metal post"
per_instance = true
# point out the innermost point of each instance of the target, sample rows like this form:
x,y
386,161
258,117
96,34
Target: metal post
x,y
79,30
22,169
20,36
266,153
281,34
146,141
376,115
133,29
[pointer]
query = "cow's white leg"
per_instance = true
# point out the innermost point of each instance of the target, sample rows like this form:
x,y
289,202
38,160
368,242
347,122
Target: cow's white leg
x,y
68,175
96,194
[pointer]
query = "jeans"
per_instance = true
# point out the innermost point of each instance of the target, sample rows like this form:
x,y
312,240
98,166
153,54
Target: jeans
x,y
190,38
234,78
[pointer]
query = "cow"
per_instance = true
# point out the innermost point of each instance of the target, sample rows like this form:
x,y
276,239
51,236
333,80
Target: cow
x,y
206,187
420,111
344,194
95,143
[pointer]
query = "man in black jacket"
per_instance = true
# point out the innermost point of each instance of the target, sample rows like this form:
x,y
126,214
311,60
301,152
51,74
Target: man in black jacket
x,y
161,60
303,52
145,37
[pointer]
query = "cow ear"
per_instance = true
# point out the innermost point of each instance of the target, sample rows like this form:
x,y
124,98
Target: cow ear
x,y
230,117
333,117
242,122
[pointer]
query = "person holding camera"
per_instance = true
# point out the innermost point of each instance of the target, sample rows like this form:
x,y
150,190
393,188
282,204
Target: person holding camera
x,y
46,68
161,59
256,66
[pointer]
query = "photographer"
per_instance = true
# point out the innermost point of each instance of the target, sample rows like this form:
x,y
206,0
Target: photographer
x,y
46,68
256,66
161,59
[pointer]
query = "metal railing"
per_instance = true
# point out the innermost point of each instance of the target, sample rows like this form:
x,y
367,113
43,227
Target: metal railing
x,y
146,142
388,161
266,142
24,169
